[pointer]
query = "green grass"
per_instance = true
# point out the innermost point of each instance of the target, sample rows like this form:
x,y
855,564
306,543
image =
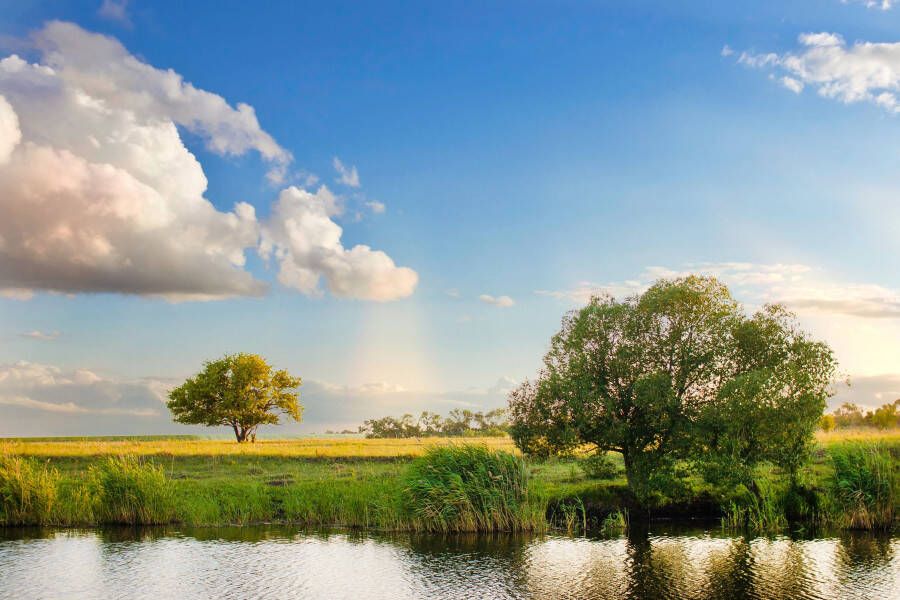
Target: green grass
x,y
359,483
469,488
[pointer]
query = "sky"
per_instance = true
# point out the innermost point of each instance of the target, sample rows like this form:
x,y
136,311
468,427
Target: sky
x,y
398,202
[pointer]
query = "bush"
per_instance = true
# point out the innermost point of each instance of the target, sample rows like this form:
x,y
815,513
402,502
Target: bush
x,y
599,466
468,488
28,492
864,486
127,491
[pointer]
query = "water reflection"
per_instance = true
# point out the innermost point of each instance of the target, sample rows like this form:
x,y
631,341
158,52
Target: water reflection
x,y
278,562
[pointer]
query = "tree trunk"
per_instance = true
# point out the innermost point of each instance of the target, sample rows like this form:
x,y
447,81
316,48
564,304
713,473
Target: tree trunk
x,y
239,433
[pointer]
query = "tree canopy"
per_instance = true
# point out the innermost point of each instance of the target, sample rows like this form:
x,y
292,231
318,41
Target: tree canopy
x,y
241,391
458,423
678,374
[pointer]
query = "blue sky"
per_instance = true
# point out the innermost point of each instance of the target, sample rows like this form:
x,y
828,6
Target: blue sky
x,y
535,151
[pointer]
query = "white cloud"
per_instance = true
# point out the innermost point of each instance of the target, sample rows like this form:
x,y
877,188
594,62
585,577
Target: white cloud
x,y
306,243
452,292
346,175
10,134
877,4
862,72
726,50
376,207
115,10
800,287
46,388
125,209
792,84
499,301
45,336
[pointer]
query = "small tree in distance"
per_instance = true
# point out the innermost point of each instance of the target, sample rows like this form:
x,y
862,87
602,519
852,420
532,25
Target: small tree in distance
x,y
240,391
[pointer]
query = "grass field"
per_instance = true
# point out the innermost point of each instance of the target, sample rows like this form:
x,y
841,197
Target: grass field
x,y
350,482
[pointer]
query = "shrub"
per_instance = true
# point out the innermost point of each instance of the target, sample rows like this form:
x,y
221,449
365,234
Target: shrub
x,y
28,491
864,486
127,491
599,466
467,488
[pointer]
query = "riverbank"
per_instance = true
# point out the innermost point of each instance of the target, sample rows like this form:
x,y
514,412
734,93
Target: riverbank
x,y
358,483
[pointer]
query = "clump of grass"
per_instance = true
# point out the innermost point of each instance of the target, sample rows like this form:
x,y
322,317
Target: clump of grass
x,y
759,510
28,491
599,465
615,522
864,486
127,491
468,488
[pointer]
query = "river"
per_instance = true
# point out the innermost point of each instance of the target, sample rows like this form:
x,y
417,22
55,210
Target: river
x,y
277,562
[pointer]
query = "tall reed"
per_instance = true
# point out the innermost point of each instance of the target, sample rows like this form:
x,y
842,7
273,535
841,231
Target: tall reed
x,y
469,488
28,491
128,491
864,486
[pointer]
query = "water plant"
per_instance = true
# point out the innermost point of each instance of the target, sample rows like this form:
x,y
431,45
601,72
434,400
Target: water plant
x,y
864,485
129,491
468,488
28,491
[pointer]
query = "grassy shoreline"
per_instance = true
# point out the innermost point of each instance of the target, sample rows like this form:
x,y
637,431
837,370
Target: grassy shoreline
x,y
350,483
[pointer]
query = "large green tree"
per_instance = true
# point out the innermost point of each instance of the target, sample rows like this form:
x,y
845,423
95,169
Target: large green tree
x,y
241,391
653,376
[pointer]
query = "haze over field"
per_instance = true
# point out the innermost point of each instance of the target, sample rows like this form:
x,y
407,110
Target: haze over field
x,y
398,202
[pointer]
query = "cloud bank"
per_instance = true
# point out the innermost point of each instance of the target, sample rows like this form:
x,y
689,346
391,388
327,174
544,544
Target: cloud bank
x,y
41,399
100,193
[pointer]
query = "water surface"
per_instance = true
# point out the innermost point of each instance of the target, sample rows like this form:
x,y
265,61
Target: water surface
x,y
280,563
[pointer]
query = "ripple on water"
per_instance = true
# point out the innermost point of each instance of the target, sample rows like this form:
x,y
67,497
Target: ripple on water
x,y
279,563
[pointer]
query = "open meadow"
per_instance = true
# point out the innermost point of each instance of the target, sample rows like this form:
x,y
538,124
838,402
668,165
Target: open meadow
x,y
348,482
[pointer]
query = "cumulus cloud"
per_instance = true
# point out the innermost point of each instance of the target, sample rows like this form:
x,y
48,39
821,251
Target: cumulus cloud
x,y
861,72
498,301
304,240
125,208
10,134
44,336
346,175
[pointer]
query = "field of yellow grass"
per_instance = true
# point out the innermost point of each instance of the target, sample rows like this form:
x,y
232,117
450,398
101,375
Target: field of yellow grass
x,y
337,448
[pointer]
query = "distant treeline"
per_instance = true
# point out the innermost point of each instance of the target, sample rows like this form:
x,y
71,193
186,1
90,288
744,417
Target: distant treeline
x,y
850,415
457,423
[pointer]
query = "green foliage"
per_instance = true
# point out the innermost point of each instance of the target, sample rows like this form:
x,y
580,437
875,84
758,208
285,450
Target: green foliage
x,y
615,522
129,492
459,423
827,423
28,491
850,415
677,375
864,485
241,391
598,465
467,488
757,509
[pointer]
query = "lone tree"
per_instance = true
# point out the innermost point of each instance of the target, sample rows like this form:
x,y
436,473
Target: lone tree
x,y
677,375
239,390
